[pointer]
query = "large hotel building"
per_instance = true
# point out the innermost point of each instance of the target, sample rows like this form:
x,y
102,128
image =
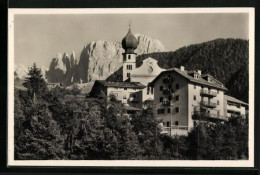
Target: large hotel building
x,y
179,97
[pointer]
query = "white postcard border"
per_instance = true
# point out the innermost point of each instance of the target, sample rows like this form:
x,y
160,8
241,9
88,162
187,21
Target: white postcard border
x,y
130,163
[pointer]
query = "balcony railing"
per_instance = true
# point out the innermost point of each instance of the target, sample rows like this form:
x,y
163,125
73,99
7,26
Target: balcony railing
x,y
167,91
202,115
174,129
167,80
208,93
208,104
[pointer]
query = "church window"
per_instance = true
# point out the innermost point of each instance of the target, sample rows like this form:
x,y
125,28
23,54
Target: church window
x,y
177,98
176,123
194,97
129,57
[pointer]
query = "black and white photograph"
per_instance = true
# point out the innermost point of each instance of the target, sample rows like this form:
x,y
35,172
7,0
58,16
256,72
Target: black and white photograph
x,y
131,87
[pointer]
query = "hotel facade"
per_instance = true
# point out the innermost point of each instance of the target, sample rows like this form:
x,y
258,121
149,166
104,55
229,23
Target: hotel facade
x,y
180,98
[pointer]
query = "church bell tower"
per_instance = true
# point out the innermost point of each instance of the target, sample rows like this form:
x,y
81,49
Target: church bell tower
x,y
129,44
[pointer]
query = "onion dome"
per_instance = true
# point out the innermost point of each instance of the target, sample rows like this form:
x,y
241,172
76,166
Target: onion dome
x,y
129,42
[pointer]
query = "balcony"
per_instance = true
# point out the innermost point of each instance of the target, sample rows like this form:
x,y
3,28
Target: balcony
x,y
208,104
175,130
208,93
166,103
167,80
167,91
198,115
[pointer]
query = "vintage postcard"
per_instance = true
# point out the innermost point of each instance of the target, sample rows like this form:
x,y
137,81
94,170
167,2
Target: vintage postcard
x,y
160,87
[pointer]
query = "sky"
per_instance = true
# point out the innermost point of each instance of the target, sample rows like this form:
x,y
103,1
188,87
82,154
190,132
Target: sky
x,y
38,38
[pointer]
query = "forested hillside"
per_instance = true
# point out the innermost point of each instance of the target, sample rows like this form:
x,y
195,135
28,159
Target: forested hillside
x,y
225,59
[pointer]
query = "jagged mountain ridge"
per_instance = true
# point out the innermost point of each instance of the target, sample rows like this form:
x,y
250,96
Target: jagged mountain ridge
x,y
225,59
98,60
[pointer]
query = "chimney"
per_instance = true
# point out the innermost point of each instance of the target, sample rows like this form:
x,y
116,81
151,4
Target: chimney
x,y
182,68
199,72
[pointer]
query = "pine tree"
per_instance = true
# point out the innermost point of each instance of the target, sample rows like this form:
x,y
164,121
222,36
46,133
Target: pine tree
x,y
35,83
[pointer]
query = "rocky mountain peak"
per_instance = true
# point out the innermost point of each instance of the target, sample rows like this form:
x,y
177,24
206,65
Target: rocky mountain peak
x,y
97,60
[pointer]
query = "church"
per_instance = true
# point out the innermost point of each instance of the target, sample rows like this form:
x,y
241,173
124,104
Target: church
x,y
132,76
178,97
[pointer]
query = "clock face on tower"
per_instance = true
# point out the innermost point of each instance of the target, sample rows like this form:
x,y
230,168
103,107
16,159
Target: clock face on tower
x,y
150,66
150,69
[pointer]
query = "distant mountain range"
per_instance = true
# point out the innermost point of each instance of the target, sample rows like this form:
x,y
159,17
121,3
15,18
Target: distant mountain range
x,y
225,59
98,60
21,71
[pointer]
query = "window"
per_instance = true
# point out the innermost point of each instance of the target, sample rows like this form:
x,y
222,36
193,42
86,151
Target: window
x,y
161,99
129,57
161,88
177,109
129,67
194,86
169,98
148,90
176,123
177,98
218,102
169,110
128,74
151,90
160,111
194,97
177,86
125,89
168,124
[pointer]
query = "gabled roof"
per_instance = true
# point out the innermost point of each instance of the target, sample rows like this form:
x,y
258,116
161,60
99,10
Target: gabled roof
x,y
233,99
190,78
135,85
